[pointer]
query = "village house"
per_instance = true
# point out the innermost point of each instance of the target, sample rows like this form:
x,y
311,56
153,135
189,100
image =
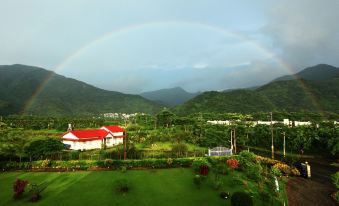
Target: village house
x,y
106,136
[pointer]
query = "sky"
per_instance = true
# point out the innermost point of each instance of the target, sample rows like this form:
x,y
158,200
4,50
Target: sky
x,y
133,46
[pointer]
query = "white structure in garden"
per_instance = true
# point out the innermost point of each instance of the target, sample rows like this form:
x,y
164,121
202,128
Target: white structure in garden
x,y
219,151
94,139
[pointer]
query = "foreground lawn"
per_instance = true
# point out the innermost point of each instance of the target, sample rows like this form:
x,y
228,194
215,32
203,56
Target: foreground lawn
x,y
148,187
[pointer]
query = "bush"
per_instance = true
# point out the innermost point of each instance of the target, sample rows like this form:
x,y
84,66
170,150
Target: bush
x,y
246,160
276,172
335,179
254,171
197,163
233,163
123,169
197,180
122,186
36,190
221,168
266,161
283,168
241,199
295,172
179,149
19,188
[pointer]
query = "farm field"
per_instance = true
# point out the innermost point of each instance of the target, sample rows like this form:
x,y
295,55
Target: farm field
x,y
147,187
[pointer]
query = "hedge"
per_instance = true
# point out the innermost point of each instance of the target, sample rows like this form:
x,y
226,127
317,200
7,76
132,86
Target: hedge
x,y
96,164
108,163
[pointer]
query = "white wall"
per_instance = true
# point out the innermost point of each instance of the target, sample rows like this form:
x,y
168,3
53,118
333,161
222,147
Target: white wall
x,y
75,145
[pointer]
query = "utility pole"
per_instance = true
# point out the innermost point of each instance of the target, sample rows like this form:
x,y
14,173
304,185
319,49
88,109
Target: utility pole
x,y
125,140
272,147
284,145
235,143
231,141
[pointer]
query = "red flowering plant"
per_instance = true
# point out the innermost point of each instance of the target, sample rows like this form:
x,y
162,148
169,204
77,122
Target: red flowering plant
x,y
233,163
19,188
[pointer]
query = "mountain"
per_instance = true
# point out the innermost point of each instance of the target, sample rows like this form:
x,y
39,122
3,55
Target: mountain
x,y
319,72
32,90
318,92
169,97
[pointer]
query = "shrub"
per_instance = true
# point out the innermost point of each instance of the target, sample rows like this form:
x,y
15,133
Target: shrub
x,y
122,186
179,148
221,168
335,179
169,162
254,171
295,172
233,163
197,163
246,160
250,156
204,170
266,161
197,180
45,163
241,199
283,168
123,169
275,171
19,188
36,190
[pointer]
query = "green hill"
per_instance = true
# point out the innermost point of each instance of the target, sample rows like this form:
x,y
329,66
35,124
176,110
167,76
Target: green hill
x,y
60,95
316,95
170,97
320,72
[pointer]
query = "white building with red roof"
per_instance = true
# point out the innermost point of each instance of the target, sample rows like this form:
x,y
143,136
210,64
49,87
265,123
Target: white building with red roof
x,y
94,139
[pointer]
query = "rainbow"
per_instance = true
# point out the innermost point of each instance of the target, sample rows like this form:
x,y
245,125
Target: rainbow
x,y
132,28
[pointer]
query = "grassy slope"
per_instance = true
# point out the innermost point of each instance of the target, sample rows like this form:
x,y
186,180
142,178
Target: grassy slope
x,y
149,187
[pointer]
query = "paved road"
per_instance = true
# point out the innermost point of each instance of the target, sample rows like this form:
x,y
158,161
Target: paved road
x,y
314,191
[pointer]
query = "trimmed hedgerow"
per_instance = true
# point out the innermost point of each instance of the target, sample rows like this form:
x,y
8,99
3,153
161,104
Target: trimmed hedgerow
x,y
93,164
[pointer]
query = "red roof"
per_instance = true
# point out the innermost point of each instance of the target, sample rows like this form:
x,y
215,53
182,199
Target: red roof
x,y
115,128
85,135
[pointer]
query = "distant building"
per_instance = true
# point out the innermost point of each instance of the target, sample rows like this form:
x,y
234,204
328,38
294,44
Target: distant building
x,y
94,139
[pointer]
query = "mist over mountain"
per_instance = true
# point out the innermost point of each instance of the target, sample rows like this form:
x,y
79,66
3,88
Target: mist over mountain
x,y
169,97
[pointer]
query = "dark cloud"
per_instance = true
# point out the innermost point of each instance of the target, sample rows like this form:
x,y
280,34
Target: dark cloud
x,y
304,32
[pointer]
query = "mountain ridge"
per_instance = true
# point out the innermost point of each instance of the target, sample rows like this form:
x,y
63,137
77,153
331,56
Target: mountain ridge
x,y
315,95
61,95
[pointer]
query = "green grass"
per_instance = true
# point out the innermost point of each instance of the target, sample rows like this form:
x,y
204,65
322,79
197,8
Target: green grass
x,y
148,187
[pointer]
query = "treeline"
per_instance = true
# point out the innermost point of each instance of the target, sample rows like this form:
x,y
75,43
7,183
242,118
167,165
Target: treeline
x,y
18,134
50,123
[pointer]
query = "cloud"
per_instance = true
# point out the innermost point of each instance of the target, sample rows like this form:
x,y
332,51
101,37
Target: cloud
x,y
199,66
304,32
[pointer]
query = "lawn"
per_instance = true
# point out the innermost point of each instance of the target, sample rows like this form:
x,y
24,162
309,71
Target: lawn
x,y
148,187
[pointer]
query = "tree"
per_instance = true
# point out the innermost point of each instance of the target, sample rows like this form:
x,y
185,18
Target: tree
x,y
44,148
12,143
165,118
